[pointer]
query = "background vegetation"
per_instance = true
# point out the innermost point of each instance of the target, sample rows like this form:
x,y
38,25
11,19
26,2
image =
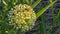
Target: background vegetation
x,y
41,13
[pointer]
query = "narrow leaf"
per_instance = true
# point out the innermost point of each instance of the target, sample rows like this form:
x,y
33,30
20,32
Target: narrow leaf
x,y
59,22
4,3
43,25
40,12
36,3
54,22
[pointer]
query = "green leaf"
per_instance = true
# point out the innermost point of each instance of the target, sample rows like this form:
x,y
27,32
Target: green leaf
x,y
13,2
26,1
43,25
20,1
50,1
59,22
36,3
40,12
54,21
52,8
4,2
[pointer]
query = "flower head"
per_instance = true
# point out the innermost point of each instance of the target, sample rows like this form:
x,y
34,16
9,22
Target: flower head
x,y
22,16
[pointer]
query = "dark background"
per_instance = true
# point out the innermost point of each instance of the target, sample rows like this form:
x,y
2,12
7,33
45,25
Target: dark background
x,y
48,17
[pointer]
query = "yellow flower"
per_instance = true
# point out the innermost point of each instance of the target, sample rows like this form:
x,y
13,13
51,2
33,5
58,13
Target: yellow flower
x,y
23,16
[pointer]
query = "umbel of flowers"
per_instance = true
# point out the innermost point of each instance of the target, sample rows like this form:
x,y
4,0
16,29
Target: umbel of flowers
x,y
22,16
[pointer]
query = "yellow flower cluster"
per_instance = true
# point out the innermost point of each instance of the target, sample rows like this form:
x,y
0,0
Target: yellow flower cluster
x,y
23,16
